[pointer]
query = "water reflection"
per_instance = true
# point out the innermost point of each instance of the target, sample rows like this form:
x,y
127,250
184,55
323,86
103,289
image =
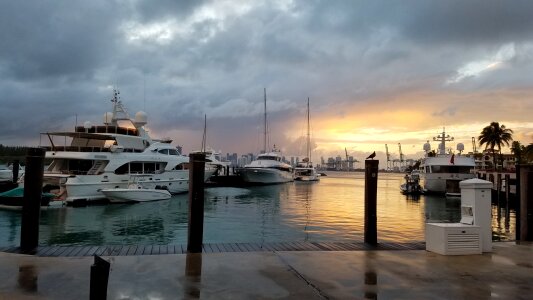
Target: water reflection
x,y
193,275
329,210
371,277
27,278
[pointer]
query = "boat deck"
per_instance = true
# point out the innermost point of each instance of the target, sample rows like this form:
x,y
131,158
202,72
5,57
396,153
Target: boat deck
x,y
130,250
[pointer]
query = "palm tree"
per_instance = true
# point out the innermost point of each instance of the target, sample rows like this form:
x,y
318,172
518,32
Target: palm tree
x,y
519,151
495,136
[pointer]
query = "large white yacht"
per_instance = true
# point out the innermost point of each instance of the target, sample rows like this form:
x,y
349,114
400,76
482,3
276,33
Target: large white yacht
x,y
268,168
104,157
441,170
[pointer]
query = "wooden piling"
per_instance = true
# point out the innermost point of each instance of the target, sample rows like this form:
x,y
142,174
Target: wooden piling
x,y
371,188
526,203
15,170
196,202
31,208
99,278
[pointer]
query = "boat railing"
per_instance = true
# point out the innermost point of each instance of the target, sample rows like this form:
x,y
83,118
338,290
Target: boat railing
x,y
87,149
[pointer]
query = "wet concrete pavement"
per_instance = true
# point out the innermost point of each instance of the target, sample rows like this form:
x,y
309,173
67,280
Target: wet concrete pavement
x,y
506,273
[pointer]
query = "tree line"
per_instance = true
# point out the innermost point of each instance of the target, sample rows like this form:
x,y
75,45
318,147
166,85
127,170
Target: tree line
x,y
10,153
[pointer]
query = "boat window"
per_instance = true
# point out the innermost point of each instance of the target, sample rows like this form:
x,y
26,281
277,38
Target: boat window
x,y
182,166
268,158
122,169
450,169
136,168
173,152
163,151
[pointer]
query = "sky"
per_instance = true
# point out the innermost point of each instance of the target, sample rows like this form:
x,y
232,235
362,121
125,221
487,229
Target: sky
x,y
375,72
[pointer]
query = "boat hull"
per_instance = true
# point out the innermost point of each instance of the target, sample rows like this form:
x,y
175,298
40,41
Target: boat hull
x,y
124,195
436,183
265,175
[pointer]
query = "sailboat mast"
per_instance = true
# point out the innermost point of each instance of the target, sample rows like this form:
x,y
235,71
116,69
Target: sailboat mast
x,y
204,139
265,135
308,136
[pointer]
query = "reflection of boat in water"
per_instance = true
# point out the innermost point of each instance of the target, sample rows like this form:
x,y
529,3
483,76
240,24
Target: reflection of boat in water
x,y
305,170
439,170
14,199
412,184
104,157
135,192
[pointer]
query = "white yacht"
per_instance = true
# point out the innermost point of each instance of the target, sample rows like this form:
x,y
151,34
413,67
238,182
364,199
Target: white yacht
x,y
305,171
268,168
440,172
104,157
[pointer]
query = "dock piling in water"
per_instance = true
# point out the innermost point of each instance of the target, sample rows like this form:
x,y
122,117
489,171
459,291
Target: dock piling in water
x,y
525,218
371,188
196,202
31,208
15,170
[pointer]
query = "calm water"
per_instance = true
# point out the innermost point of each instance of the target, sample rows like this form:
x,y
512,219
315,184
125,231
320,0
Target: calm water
x,y
329,210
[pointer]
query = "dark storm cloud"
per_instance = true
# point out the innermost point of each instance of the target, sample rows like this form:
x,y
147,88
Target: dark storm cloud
x,y
59,58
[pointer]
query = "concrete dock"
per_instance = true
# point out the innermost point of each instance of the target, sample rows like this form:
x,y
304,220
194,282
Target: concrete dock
x,y
506,273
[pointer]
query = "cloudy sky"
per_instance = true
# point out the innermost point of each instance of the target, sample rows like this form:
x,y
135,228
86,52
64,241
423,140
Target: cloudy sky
x,y
376,72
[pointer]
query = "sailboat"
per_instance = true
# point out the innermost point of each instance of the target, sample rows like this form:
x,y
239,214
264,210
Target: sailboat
x,y
305,171
269,167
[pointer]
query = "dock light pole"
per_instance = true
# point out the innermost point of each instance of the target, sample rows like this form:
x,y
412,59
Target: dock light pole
x,y
371,189
31,208
196,202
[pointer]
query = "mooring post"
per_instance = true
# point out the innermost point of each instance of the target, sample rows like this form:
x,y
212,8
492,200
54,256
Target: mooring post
x,y
99,278
371,191
517,203
196,202
526,203
31,207
507,196
15,170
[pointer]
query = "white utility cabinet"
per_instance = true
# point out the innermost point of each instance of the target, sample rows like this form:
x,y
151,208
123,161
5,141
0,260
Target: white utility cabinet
x,y
453,238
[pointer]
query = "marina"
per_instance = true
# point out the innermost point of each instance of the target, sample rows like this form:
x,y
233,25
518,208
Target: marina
x,y
330,210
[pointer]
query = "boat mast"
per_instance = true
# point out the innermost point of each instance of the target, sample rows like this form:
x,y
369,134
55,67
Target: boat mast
x,y
265,133
204,139
443,138
308,136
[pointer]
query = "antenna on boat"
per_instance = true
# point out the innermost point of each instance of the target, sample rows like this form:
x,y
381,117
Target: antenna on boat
x,y
144,91
308,136
265,119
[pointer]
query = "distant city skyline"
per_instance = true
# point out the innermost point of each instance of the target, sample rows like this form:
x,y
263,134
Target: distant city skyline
x,y
376,72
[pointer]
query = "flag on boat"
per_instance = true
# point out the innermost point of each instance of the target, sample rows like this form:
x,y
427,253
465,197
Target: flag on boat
x,y
452,159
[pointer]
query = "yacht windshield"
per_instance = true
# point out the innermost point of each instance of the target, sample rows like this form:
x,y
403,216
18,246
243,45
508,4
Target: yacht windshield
x,y
268,158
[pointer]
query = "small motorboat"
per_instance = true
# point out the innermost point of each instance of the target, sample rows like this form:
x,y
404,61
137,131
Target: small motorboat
x,y
14,199
412,184
135,192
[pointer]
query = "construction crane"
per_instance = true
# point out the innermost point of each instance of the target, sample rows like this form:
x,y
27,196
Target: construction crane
x,y
389,167
401,154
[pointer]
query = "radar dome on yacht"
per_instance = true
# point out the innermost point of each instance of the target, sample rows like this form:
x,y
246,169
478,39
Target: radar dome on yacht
x,y
460,147
427,147
87,125
141,118
108,118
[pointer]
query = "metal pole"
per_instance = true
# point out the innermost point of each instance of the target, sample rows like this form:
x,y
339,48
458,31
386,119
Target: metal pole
x,y
31,208
371,188
517,202
196,202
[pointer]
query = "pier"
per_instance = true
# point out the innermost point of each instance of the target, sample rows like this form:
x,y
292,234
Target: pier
x,y
410,274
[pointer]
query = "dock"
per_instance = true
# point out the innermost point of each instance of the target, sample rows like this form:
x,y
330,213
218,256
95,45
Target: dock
x,y
505,273
136,250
